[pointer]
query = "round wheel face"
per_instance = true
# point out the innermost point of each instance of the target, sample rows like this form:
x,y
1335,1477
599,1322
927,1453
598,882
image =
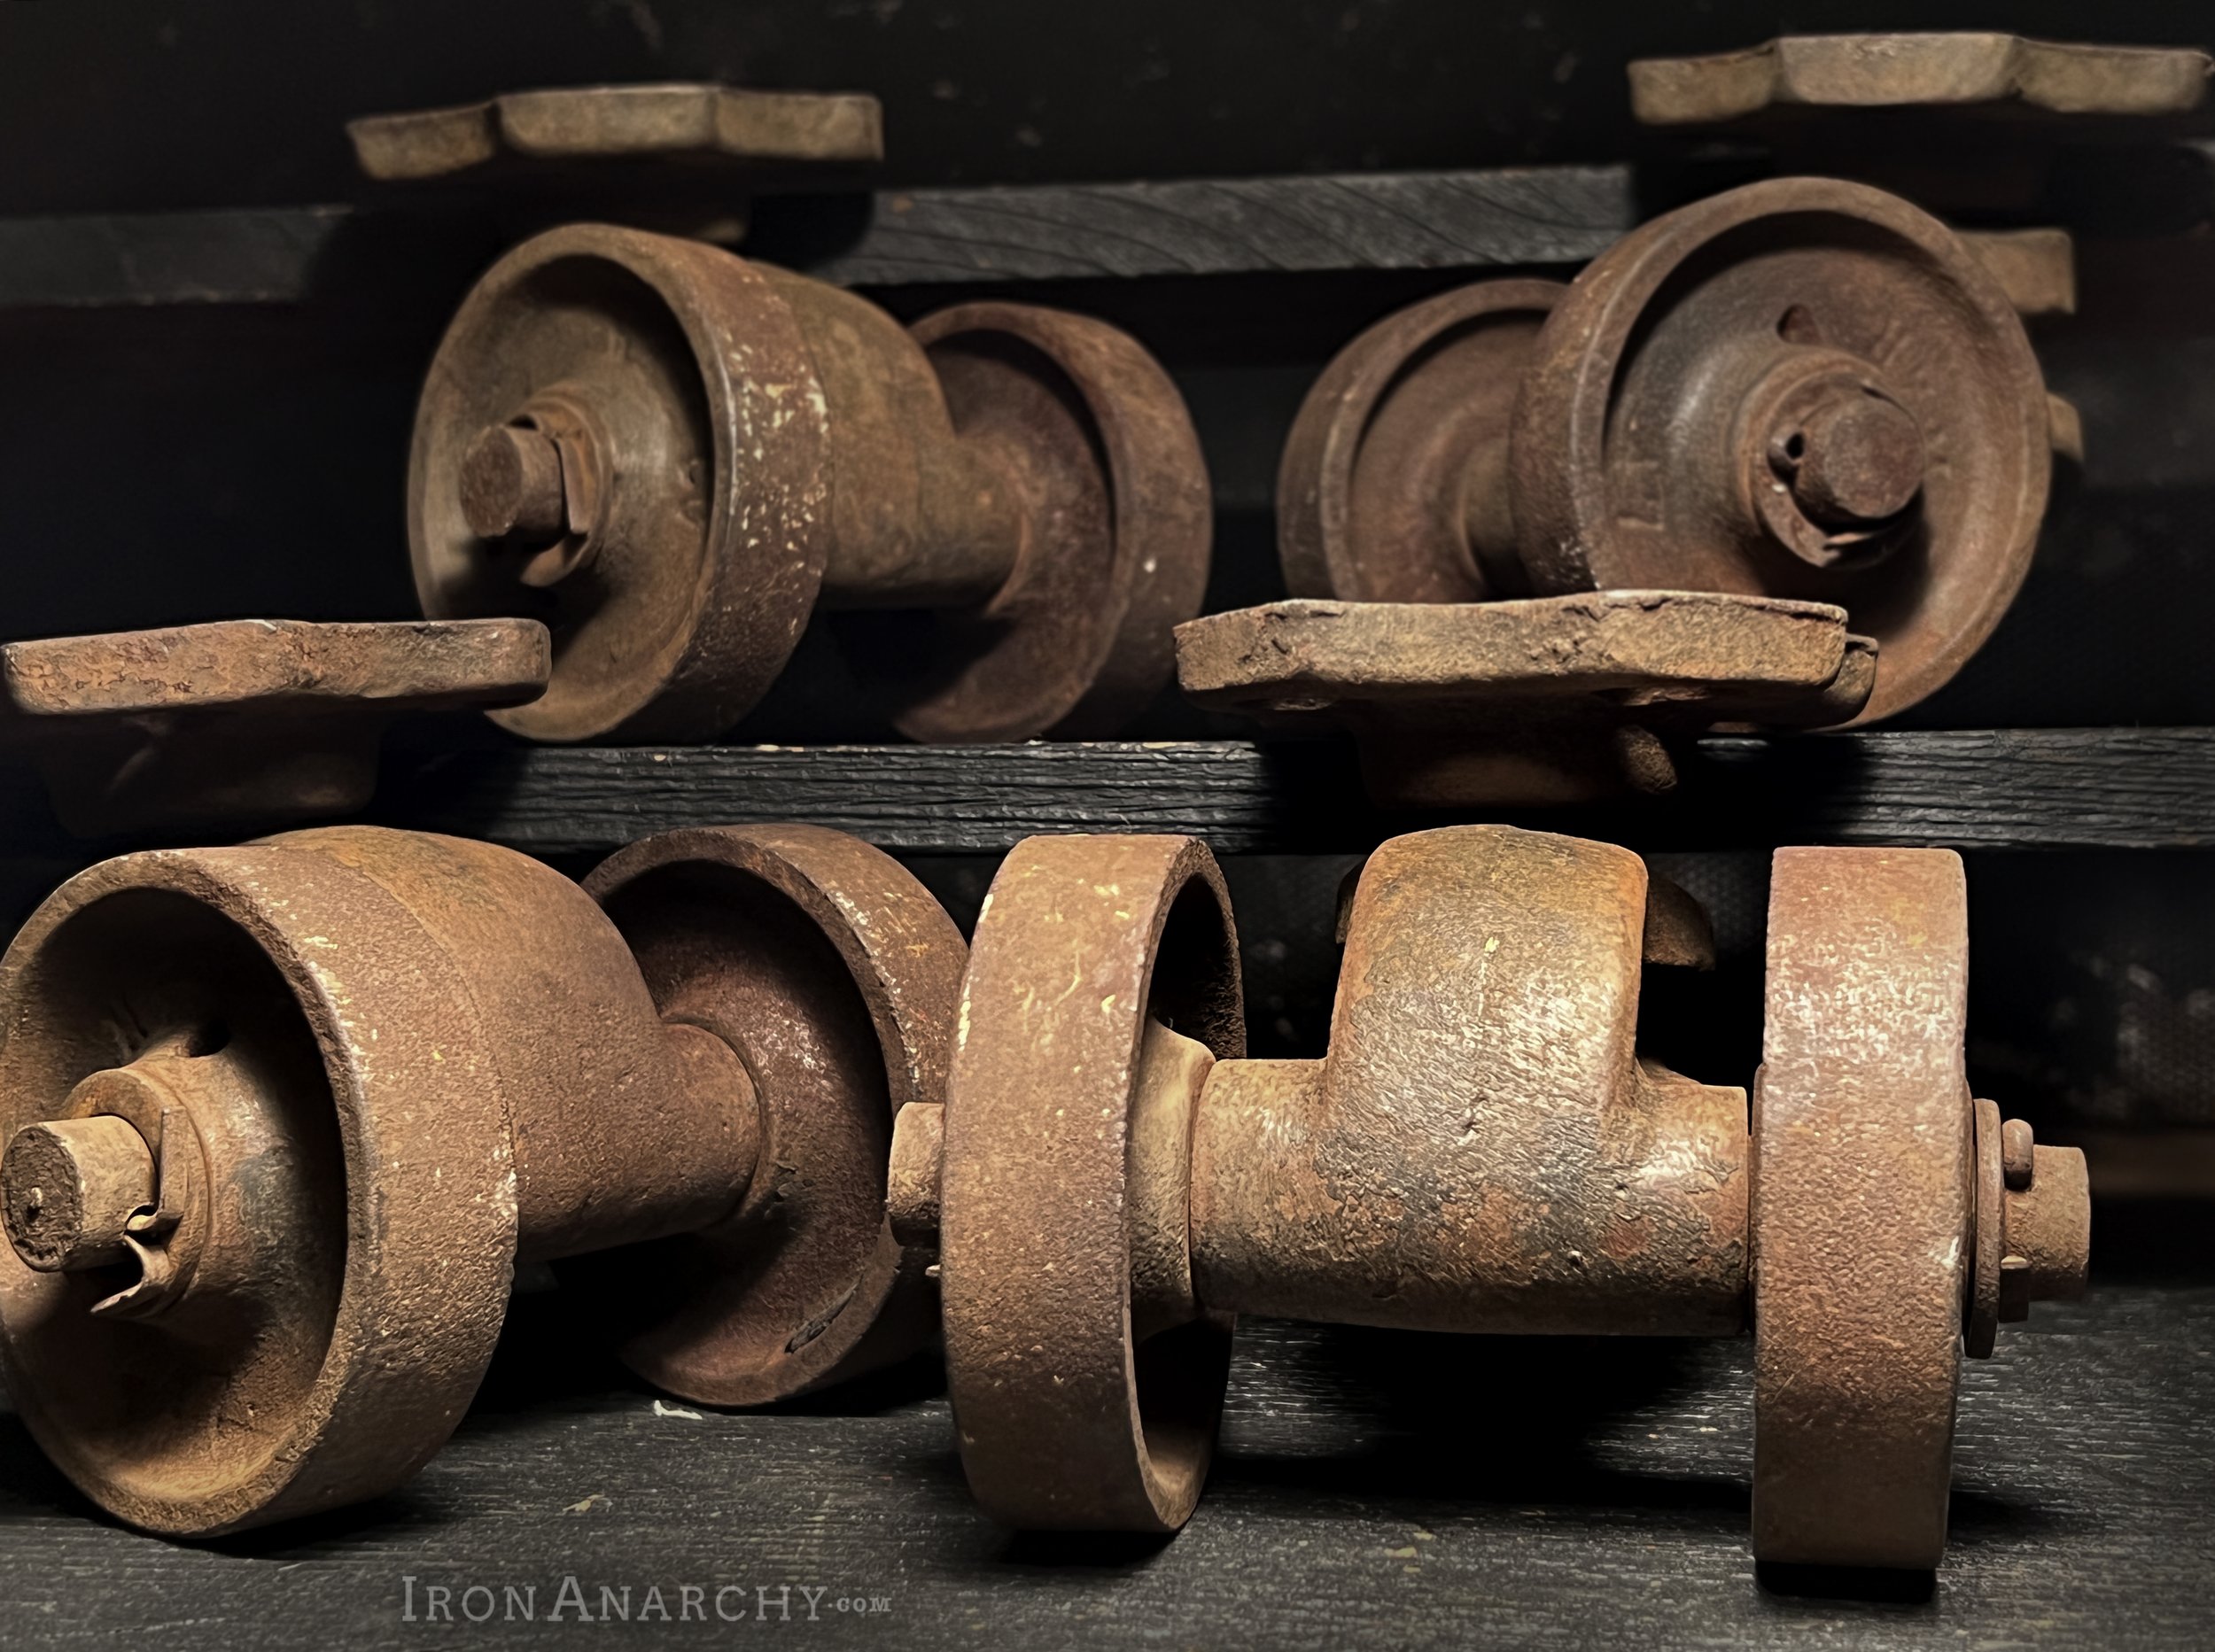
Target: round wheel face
x,y
1801,388
1394,486
325,1273
1065,1418
678,501
1862,1206
836,976
1104,460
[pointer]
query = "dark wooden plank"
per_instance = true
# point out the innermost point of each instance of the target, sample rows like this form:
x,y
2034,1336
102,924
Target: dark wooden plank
x,y
1226,226
254,256
2051,788
1383,221
927,799
1372,1489
1971,788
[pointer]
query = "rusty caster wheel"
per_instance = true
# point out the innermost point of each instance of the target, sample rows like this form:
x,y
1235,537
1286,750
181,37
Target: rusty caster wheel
x,y
1801,389
1482,1150
1085,1379
282,1119
674,457
1894,1222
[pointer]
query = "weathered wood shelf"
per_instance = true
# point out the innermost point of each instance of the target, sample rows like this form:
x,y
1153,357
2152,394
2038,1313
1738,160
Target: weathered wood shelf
x,y
2051,788
1196,226
1371,1487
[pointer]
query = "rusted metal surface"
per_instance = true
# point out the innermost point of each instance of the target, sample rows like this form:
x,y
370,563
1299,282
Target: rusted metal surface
x,y
675,458
1865,1207
1955,71
1800,388
696,124
1539,701
199,992
1394,483
1896,1222
70,1188
833,974
1065,1417
368,1072
242,720
1482,1150
1116,523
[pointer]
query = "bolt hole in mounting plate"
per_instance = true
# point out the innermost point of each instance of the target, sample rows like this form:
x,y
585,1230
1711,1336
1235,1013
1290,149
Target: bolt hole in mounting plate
x,y
253,721
834,975
1066,1420
346,1303
1114,492
702,561
1862,1206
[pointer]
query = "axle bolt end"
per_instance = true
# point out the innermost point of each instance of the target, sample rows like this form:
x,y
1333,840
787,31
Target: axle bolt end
x,y
70,1188
511,486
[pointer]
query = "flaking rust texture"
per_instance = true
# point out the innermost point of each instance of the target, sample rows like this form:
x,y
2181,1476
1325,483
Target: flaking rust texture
x,y
1799,391
253,721
347,1079
1863,1216
1081,942
676,457
1482,1150
1539,700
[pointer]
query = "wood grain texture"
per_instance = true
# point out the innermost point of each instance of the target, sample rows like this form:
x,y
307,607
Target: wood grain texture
x,y
1199,226
1224,226
1373,1488
2051,788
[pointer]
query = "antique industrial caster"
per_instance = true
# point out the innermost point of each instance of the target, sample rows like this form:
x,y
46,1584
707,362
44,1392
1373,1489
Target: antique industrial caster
x,y
283,1119
1806,402
674,457
1482,1150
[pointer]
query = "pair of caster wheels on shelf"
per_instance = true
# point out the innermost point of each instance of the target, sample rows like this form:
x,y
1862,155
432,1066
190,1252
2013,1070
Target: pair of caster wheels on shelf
x,y
1801,391
284,1117
1776,458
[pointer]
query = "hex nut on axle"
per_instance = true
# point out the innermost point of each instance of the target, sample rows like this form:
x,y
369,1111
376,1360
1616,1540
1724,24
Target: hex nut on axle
x,y
675,458
70,1188
1800,388
1484,1149
372,1071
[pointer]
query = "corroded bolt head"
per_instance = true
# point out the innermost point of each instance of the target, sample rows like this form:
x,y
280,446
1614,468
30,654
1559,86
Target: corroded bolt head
x,y
70,1187
1854,460
511,486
